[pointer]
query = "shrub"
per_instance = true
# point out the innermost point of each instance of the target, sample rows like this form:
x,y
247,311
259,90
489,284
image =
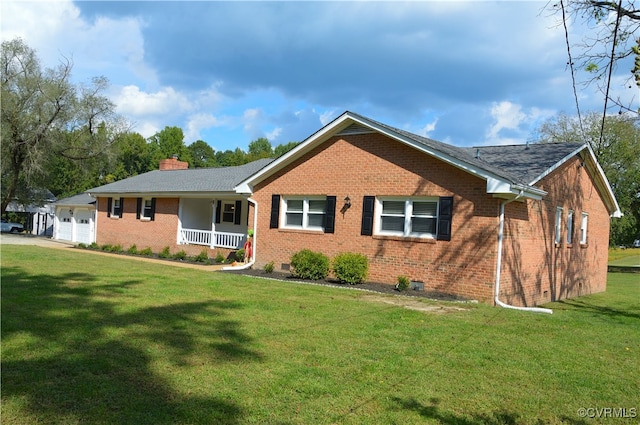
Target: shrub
x,y
350,267
82,245
116,248
180,255
219,258
94,246
240,254
147,251
133,249
403,283
203,257
106,247
268,268
164,253
310,265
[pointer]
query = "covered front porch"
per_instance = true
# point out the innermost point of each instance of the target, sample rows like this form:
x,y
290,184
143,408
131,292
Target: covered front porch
x,y
214,223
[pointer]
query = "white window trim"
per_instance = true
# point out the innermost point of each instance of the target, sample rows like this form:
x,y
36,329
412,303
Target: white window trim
x,y
115,208
584,228
569,238
408,213
232,212
305,212
558,226
143,216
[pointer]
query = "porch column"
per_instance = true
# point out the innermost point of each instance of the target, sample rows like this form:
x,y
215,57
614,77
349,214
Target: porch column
x,y
179,236
214,207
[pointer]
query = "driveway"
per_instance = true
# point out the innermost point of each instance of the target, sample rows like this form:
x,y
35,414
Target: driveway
x,y
27,239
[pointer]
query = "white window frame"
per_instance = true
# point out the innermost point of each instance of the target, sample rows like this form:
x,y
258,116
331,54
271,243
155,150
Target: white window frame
x,y
143,209
408,214
305,212
570,227
558,227
225,214
584,228
115,206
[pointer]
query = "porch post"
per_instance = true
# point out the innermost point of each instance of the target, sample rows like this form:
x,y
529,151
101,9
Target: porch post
x,y
214,206
179,236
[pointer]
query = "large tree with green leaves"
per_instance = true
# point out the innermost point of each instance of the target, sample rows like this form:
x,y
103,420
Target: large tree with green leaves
x,y
167,143
617,152
43,114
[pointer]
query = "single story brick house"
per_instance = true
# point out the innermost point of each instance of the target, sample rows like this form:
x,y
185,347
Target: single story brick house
x,y
511,225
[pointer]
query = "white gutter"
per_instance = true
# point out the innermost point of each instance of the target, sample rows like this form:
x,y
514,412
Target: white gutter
x,y
499,266
252,260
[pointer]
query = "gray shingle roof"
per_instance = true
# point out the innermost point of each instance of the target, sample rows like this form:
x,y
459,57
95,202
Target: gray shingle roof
x,y
526,162
77,200
516,163
196,180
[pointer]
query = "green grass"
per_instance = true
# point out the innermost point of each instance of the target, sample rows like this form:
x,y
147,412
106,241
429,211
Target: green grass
x,y
629,254
89,339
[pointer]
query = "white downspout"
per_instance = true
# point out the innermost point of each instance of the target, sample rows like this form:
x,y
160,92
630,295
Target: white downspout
x,y
499,266
252,260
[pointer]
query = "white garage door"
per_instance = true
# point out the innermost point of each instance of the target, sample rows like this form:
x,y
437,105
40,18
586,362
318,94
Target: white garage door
x,y
83,226
65,225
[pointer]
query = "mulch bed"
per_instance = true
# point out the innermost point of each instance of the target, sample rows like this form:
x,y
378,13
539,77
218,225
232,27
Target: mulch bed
x,y
383,288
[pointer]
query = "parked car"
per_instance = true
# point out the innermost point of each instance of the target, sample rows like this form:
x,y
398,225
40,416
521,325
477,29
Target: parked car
x,y
9,227
636,243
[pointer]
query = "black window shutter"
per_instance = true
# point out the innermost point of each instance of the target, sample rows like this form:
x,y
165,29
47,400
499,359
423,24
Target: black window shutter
x,y
445,214
218,211
330,216
238,213
152,216
138,208
109,204
121,209
368,204
275,211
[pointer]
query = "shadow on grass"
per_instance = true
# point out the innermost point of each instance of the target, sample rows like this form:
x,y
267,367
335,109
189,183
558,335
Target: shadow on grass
x,y
432,411
586,306
84,356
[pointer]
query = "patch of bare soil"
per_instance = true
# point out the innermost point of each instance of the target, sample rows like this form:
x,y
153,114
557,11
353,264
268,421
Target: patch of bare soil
x,y
414,304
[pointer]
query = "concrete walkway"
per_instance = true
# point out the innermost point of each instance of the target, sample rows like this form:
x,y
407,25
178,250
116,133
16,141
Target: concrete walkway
x,y
26,239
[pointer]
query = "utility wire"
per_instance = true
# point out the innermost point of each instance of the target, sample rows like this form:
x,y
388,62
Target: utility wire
x,y
570,63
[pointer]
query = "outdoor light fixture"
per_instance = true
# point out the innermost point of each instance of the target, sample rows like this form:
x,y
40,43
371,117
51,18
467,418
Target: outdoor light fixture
x,y
347,204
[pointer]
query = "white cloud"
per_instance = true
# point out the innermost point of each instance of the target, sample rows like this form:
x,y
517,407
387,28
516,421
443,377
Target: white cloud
x,y
196,123
135,102
516,122
428,128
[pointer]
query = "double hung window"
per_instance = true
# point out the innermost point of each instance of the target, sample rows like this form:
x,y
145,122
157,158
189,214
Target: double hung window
x,y
305,213
408,217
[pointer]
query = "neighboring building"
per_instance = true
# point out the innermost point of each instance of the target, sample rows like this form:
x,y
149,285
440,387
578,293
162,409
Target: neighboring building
x,y
521,224
75,219
38,218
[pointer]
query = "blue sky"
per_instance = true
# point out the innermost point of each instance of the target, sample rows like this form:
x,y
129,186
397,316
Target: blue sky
x,y
466,73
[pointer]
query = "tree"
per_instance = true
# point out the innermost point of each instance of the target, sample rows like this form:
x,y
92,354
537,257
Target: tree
x,y
280,150
611,40
617,152
260,148
44,114
203,155
169,142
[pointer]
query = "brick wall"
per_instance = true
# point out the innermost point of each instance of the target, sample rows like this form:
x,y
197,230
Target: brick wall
x,y
156,234
536,269
372,165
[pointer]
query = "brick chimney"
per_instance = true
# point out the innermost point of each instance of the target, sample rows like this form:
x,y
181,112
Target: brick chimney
x,y
173,164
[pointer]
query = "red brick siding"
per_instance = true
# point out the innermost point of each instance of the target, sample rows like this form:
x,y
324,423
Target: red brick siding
x,y
535,270
157,234
373,165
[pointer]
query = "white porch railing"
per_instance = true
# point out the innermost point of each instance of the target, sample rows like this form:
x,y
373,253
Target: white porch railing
x,y
204,237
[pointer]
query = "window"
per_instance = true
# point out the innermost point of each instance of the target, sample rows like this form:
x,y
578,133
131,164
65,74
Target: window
x,y
558,231
114,207
228,213
305,213
570,227
583,228
408,217
145,209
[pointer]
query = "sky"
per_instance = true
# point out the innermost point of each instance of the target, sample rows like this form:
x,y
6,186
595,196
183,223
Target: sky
x,y
467,73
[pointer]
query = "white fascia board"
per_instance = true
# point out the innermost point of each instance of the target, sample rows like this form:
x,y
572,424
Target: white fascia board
x,y
246,186
605,184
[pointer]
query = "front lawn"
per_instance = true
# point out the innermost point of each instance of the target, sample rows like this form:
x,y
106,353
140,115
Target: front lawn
x,y
90,339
